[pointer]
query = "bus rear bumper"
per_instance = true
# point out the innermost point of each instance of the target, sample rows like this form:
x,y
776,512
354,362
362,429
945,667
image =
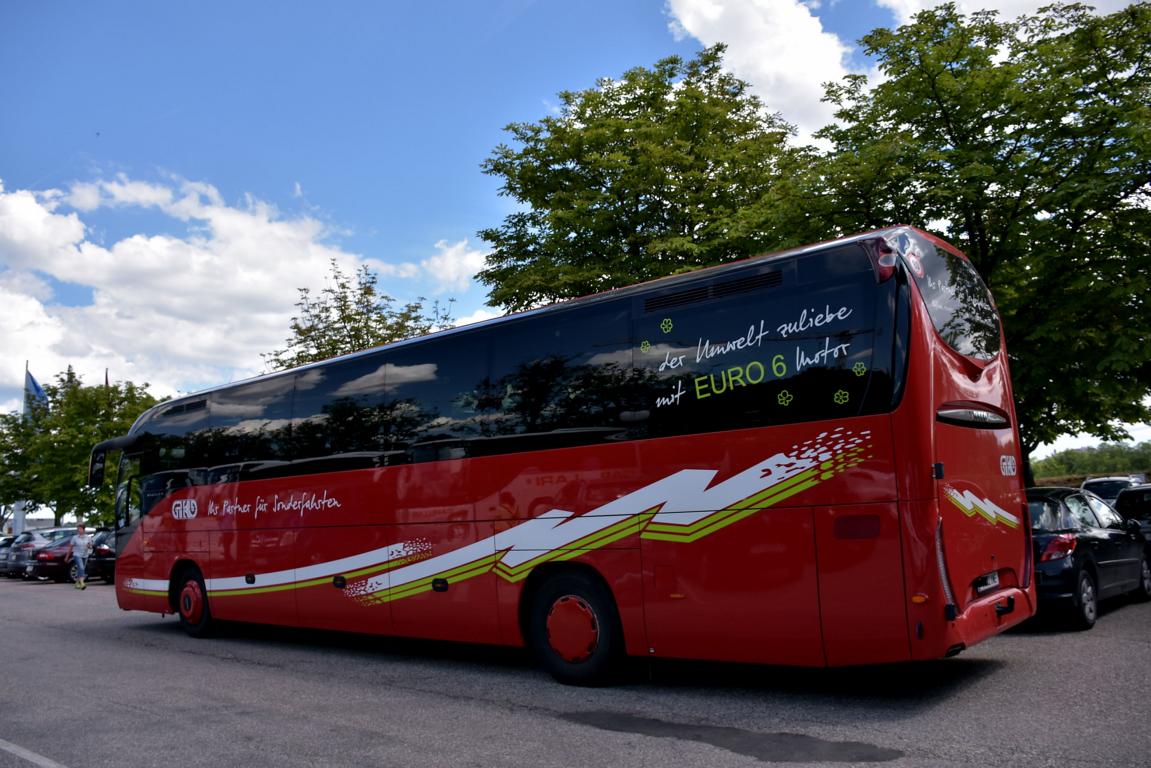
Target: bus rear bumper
x,y
987,617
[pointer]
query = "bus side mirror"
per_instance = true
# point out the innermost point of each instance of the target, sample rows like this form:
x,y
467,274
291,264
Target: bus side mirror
x,y
96,469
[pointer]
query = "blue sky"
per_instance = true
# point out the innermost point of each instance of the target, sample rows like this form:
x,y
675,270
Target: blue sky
x,y
172,172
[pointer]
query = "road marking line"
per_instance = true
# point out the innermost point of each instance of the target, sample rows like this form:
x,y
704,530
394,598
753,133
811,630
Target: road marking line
x,y
31,757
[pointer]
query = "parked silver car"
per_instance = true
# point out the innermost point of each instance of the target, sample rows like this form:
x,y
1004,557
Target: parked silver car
x,y
1107,488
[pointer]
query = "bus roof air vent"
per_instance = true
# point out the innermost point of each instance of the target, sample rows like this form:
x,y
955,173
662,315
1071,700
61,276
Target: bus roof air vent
x,y
713,291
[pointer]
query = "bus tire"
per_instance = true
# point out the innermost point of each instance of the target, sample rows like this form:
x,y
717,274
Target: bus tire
x,y
574,629
1085,602
192,603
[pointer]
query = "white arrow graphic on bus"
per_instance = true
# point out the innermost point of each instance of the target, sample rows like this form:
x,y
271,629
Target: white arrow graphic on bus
x,y
970,504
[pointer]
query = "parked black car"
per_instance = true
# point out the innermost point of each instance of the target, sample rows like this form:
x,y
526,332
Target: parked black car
x,y
1135,504
1084,552
102,562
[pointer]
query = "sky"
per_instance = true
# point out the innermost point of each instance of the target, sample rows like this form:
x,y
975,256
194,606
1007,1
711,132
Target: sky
x,y
172,173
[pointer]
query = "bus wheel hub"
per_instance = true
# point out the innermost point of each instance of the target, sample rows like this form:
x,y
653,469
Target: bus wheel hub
x,y
191,602
573,632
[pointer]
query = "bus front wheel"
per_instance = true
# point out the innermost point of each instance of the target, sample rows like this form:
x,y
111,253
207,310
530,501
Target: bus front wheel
x,y
192,603
574,629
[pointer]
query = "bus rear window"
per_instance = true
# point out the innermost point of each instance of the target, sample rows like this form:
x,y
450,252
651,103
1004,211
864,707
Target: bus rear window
x,y
957,300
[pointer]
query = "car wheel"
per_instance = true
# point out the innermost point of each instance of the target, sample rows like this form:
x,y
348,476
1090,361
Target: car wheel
x,y
1085,605
1143,591
192,603
574,629
73,571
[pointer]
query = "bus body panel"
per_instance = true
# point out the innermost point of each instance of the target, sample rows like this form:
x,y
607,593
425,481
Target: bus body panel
x,y
322,601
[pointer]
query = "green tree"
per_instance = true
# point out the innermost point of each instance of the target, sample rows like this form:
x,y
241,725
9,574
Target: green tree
x,y
1028,144
44,453
351,314
664,170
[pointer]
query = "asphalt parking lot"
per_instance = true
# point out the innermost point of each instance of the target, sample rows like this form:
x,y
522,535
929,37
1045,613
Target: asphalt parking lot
x,y
88,685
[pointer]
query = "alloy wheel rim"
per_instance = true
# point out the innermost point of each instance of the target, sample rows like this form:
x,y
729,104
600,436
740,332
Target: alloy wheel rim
x,y
1087,598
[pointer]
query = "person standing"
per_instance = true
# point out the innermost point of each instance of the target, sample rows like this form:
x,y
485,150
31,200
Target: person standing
x,y
81,544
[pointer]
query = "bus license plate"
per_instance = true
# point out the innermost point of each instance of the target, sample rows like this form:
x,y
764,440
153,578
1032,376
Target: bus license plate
x,y
987,582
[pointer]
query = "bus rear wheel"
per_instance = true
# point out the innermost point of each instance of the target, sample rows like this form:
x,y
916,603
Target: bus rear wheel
x,y
192,603
574,630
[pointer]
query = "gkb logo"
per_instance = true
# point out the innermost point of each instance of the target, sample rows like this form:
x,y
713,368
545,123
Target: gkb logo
x,y
184,509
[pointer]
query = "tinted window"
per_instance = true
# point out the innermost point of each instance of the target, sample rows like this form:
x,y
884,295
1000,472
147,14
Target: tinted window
x,y
958,302
250,423
341,413
431,396
799,345
558,380
171,434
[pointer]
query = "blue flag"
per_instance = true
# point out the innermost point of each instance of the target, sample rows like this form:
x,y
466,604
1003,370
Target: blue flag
x,y
34,394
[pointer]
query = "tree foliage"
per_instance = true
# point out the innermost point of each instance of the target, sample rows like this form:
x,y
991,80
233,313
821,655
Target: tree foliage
x,y
1106,459
44,452
664,170
351,314
1028,144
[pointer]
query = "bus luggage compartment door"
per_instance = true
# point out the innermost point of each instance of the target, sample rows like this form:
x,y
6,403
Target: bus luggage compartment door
x,y
861,591
745,593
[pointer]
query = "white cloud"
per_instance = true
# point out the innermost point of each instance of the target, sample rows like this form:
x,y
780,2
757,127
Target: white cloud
x,y
181,311
779,46
31,233
478,317
454,266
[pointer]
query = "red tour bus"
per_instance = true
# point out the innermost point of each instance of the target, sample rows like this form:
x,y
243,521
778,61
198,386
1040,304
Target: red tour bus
x,y
806,458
